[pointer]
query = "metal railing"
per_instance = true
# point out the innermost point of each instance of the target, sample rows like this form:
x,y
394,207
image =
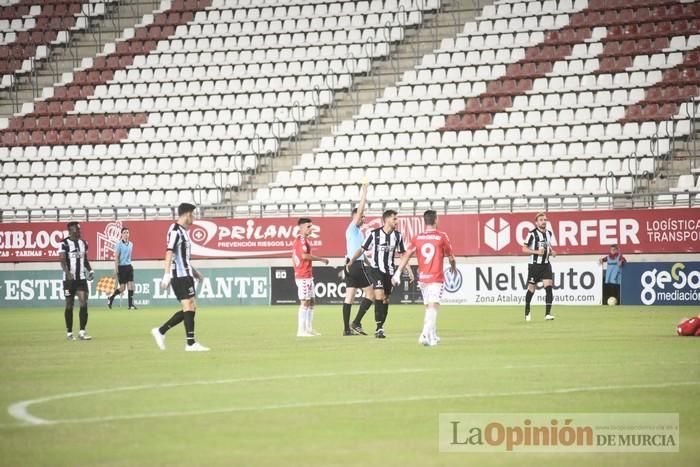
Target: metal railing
x,y
405,207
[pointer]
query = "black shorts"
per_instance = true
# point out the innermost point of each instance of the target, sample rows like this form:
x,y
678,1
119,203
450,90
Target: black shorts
x,y
381,281
357,277
183,287
71,287
539,272
125,274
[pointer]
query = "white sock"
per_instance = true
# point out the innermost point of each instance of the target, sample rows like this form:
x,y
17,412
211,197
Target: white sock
x,y
301,320
426,324
309,319
431,318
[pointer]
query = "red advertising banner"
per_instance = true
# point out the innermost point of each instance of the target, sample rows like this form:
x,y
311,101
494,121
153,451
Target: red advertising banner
x,y
575,232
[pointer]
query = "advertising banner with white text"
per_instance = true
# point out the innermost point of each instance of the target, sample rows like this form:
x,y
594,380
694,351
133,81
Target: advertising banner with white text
x,y
484,234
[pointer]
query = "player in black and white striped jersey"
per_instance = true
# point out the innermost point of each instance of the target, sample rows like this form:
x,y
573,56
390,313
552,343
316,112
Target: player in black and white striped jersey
x,y
539,246
381,246
76,272
180,274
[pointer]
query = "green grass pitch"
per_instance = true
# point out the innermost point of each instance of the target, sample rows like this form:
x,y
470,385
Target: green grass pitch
x,y
265,397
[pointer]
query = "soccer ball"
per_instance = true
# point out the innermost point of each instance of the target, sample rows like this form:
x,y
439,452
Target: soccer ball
x,y
612,301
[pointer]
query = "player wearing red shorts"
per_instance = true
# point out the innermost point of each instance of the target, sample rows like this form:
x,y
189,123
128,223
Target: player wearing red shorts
x,y
432,246
303,274
689,327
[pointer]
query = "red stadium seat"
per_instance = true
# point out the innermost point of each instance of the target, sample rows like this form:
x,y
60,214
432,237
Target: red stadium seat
x,y
126,121
85,122
16,124
667,110
99,121
120,134
51,137
55,108
23,138
37,138
57,121
125,61
9,138
140,119
123,48
106,136
79,136
99,63
44,123
67,106
92,136
60,93
484,120
112,121
71,122
653,95
65,137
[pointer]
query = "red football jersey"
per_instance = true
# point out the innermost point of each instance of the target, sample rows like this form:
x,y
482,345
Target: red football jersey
x,y
302,269
689,327
431,247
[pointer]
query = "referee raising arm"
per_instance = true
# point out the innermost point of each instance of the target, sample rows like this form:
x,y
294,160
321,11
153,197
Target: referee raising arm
x,y
356,276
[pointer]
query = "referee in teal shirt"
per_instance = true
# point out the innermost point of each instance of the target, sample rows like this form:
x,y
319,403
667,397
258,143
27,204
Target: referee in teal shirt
x,y
355,275
123,268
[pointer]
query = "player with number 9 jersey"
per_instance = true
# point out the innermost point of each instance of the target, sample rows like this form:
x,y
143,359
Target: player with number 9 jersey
x,y
432,246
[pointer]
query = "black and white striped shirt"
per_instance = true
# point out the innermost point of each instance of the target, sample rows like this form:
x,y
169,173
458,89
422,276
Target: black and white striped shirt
x,y
536,240
179,243
383,246
76,253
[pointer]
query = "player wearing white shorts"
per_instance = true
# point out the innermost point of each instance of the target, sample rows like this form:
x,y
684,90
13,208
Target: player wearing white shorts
x,y
432,246
303,275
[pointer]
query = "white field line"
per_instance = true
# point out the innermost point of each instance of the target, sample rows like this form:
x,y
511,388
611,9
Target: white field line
x,y
19,410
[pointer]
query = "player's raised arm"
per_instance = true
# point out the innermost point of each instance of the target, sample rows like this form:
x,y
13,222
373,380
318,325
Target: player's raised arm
x,y
363,203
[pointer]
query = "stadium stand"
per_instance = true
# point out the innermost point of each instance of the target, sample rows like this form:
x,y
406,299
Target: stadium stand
x,y
556,104
30,30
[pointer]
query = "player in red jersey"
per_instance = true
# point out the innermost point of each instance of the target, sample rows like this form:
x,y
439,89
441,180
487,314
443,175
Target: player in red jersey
x,y
689,327
302,258
432,246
